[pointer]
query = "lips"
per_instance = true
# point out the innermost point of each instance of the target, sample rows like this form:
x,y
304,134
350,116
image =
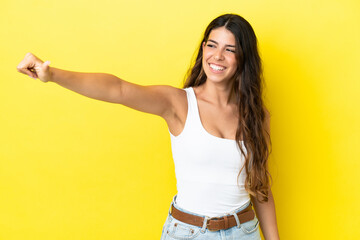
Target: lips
x,y
216,67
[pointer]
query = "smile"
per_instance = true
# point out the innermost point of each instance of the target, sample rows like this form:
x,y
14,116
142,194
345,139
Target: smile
x,y
217,67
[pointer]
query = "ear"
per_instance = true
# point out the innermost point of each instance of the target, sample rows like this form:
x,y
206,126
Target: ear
x,y
203,45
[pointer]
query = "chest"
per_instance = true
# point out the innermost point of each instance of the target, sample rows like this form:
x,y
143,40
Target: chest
x,y
220,122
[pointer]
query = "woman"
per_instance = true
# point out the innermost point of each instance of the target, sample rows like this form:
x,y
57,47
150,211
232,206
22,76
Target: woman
x,y
219,130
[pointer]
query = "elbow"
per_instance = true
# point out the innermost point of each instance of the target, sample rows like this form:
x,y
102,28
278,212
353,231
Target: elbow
x,y
115,93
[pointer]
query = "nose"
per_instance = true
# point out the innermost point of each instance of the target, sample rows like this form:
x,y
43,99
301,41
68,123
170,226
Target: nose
x,y
218,54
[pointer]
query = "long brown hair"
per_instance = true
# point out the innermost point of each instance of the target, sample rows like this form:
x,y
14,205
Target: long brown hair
x,y
247,86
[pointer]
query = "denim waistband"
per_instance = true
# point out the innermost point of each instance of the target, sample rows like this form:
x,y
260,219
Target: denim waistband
x,y
225,214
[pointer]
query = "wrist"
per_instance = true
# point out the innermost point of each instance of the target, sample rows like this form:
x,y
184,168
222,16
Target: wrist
x,y
50,77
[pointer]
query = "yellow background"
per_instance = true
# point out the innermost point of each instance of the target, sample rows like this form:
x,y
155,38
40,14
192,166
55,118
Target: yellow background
x,y
77,168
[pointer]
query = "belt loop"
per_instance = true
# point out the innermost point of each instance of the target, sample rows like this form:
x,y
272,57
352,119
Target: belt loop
x,y
237,219
172,203
171,207
206,218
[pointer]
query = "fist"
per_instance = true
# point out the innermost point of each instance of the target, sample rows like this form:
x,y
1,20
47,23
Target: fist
x,y
35,68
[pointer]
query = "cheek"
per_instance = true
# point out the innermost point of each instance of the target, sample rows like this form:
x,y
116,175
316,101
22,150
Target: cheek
x,y
234,67
203,61
233,62
206,55
205,58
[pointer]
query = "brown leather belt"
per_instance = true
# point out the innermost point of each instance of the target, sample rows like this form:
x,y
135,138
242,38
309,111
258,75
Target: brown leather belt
x,y
214,224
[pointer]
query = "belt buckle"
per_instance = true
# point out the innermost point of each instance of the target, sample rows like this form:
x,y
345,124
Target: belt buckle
x,y
207,225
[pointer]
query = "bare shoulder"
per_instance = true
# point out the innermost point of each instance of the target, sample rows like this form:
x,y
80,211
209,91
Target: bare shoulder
x,y
176,118
178,99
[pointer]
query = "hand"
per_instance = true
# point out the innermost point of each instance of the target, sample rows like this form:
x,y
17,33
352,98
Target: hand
x,y
35,68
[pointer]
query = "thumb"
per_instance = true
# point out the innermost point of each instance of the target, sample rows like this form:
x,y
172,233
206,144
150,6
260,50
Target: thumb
x,y
45,65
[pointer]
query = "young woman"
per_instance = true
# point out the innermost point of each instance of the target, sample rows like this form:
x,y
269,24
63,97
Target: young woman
x,y
219,129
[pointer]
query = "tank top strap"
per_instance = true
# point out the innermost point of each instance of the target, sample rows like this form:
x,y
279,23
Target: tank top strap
x,y
193,117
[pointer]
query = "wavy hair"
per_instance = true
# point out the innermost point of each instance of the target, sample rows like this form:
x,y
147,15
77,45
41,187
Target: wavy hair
x,y
247,87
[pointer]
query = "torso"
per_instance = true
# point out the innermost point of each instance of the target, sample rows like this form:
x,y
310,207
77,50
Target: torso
x,y
218,121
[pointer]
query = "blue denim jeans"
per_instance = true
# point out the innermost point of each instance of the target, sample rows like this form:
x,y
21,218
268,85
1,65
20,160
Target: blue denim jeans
x,y
175,229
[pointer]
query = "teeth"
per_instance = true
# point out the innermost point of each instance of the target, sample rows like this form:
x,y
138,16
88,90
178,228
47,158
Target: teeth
x,y
217,68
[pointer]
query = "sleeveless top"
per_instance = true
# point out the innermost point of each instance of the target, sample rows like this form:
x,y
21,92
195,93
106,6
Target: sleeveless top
x,y
207,167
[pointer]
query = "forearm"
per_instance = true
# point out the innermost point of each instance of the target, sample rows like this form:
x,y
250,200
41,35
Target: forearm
x,y
101,86
266,214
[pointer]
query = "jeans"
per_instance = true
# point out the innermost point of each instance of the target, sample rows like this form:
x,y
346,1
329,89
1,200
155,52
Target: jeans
x,y
175,229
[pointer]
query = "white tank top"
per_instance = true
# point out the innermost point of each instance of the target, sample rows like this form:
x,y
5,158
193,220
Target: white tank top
x,y
206,168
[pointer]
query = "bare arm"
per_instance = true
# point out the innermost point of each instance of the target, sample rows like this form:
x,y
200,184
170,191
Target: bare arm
x,y
266,211
99,86
267,217
106,87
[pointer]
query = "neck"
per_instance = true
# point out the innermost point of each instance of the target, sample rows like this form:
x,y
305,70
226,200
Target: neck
x,y
220,94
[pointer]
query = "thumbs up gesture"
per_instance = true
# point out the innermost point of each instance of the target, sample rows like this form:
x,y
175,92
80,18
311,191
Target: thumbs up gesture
x,y
35,68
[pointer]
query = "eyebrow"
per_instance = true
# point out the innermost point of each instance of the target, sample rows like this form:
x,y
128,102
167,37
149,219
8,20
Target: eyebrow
x,y
227,45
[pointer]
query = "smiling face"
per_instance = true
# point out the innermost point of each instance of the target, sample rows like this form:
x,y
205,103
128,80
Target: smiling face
x,y
219,58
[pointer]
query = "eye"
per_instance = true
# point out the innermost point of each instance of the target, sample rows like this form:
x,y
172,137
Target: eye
x,y
230,50
210,45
